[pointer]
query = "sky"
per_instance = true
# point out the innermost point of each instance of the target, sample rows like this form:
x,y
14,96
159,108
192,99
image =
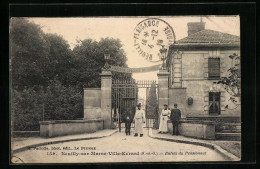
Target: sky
x,y
123,28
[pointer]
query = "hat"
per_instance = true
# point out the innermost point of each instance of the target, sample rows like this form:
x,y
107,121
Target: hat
x,y
165,105
175,104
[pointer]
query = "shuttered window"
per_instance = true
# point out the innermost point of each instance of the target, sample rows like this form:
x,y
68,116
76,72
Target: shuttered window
x,y
214,103
214,68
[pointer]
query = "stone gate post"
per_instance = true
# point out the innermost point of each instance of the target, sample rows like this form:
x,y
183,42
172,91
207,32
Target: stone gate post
x,y
106,87
163,89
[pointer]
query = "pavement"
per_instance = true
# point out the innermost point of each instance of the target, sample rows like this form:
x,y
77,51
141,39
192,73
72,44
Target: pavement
x,y
118,148
19,144
121,142
181,139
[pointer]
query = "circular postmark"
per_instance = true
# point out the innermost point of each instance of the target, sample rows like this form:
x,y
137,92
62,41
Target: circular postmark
x,y
149,37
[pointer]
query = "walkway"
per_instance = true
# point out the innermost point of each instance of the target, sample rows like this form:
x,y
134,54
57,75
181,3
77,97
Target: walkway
x,y
22,143
212,144
118,148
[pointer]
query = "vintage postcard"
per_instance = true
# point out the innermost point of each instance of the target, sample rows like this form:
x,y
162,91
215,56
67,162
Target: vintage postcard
x,y
125,89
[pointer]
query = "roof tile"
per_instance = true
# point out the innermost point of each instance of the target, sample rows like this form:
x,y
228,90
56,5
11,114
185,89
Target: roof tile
x,y
209,36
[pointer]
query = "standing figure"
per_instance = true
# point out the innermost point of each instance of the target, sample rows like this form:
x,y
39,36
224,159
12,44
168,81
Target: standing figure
x,y
175,118
127,125
128,118
139,119
163,119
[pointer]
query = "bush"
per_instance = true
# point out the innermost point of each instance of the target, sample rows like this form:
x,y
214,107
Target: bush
x,y
60,103
27,110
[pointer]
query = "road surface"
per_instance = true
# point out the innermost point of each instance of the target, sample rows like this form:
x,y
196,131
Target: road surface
x,y
118,148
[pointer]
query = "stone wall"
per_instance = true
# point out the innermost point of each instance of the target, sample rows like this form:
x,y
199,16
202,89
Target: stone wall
x,y
199,90
68,127
163,88
97,101
92,103
193,65
196,129
178,96
195,82
106,87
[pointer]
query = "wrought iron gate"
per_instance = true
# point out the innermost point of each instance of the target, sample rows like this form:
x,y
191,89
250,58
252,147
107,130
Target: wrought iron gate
x,y
125,98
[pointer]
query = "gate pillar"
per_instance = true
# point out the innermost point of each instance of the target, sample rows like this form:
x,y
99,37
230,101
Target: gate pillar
x,y
106,87
163,89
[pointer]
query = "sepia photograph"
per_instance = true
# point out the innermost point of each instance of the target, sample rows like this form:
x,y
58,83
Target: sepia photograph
x,y
125,89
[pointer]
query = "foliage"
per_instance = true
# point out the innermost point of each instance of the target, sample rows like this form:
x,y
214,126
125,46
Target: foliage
x,y
62,103
26,109
45,72
36,58
152,103
29,54
89,61
232,83
56,103
60,59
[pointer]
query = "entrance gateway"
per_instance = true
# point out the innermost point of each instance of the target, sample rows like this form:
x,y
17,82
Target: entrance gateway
x,y
119,98
125,98
114,98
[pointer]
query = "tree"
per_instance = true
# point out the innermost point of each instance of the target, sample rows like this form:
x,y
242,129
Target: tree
x,y
232,83
36,57
152,105
56,102
46,72
60,59
89,61
26,109
62,103
29,54
39,64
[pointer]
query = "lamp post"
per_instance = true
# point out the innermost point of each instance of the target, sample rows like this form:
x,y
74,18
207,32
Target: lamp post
x,y
106,57
163,52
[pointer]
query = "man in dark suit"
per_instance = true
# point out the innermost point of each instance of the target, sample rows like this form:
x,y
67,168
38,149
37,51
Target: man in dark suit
x,y
175,118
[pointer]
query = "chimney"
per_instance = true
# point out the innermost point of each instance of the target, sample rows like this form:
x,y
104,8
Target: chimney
x,y
194,27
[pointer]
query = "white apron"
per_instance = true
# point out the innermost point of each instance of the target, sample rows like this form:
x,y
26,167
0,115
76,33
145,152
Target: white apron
x,y
163,120
139,120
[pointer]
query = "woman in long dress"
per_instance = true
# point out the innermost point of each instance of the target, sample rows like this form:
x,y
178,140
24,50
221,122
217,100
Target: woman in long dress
x,y
163,119
139,120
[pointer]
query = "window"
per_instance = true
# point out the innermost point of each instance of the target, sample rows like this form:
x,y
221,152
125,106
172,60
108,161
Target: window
x,y
214,68
214,103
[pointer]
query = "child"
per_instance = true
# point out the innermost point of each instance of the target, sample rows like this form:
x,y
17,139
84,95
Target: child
x,y
127,125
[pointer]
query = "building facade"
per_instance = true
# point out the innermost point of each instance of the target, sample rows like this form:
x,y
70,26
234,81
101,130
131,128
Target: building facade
x,y
196,63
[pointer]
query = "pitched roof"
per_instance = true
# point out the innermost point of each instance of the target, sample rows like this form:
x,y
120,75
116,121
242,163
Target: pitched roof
x,y
209,36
